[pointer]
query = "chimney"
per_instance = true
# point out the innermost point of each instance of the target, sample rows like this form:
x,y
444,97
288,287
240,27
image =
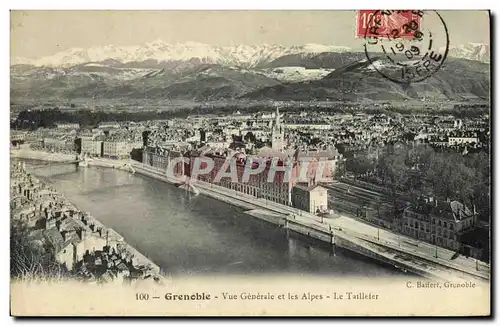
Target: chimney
x,y
67,235
49,223
83,234
59,225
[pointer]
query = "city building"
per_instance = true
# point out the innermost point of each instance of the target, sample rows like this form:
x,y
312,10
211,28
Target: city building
x,y
439,222
109,125
310,198
462,140
17,137
157,157
92,147
116,149
58,145
275,189
67,126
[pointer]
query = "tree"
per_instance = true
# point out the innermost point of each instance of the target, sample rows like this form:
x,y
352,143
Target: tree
x,y
340,170
391,168
360,165
250,137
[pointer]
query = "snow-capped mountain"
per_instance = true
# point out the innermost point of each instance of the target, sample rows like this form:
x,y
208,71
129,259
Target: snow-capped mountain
x,y
241,55
471,51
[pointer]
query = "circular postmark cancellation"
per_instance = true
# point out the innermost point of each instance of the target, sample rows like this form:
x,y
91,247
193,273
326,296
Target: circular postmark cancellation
x,y
401,49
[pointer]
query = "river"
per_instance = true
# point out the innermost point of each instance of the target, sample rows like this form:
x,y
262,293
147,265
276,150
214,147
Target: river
x,y
197,235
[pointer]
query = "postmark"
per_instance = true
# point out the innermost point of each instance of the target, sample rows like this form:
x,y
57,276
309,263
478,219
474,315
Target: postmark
x,y
406,46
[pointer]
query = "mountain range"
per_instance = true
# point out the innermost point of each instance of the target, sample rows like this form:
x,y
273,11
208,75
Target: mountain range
x,y
241,55
196,71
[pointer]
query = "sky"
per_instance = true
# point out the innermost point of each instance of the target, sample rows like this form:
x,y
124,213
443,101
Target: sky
x,y
36,34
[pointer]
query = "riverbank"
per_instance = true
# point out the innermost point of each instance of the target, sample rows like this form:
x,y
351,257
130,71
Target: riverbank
x,y
340,232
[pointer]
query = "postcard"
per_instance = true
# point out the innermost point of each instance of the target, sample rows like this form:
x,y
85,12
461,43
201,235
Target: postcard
x,y
250,163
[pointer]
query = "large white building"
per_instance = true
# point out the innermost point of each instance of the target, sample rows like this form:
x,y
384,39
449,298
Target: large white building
x,y
119,149
115,149
91,147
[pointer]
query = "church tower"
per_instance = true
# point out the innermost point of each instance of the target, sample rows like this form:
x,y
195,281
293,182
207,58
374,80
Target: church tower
x,y
278,134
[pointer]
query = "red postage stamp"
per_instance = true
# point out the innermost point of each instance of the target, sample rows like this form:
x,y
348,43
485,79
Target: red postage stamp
x,y
388,23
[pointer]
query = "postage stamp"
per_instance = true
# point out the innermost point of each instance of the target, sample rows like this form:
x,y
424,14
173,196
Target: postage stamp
x,y
411,51
375,23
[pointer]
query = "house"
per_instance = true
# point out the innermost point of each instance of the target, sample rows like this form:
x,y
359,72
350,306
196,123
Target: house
x,y
462,140
63,125
116,149
312,198
71,240
123,270
442,223
92,147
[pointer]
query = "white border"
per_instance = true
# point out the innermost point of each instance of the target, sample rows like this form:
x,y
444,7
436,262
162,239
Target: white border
x,y
245,5
188,4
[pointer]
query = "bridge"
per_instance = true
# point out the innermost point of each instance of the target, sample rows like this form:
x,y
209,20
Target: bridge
x,y
76,162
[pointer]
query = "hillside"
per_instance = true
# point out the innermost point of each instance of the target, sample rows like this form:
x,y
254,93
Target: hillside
x,y
457,79
199,72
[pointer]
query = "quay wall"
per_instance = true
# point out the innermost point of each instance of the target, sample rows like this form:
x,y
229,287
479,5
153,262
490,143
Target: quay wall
x,y
352,245
273,219
142,259
310,231
138,256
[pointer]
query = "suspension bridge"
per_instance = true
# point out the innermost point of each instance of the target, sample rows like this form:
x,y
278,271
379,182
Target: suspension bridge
x,y
75,162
